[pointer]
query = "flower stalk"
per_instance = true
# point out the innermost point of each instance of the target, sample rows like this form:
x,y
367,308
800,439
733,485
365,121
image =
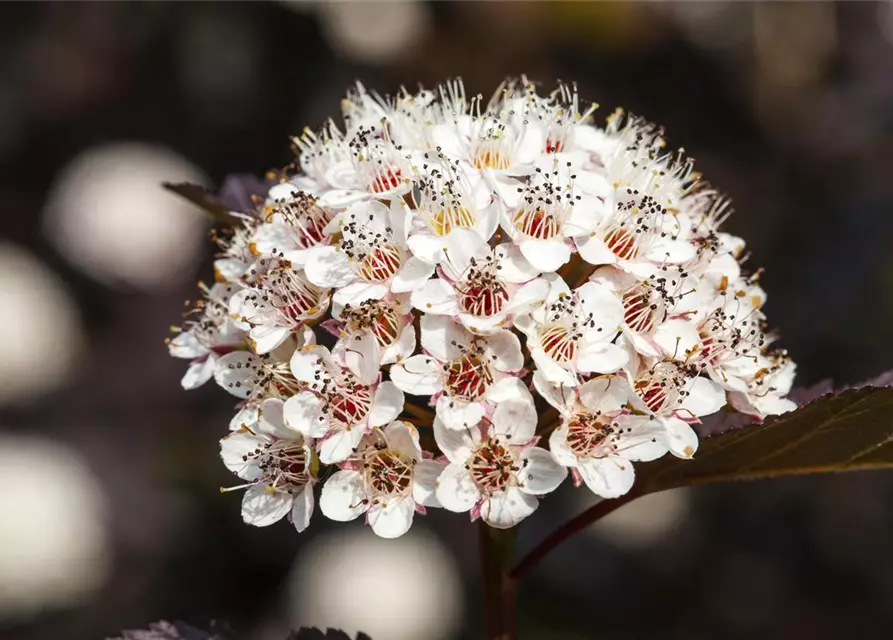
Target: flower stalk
x,y
497,551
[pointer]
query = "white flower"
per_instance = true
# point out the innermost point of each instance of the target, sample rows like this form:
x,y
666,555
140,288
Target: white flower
x,y
637,233
596,439
207,335
766,390
293,224
389,319
495,470
343,397
481,286
449,199
278,307
573,332
371,257
387,479
278,469
236,258
460,371
254,377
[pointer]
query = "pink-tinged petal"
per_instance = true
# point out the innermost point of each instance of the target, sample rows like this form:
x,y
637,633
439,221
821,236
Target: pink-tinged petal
x,y
455,489
354,294
559,448
265,338
414,273
607,477
459,414
682,440
594,251
236,372
704,397
540,473
513,266
343,496
443,338
391,519
387,404
199,372
304,413
507,508
435,296
262,508
302,510
546,255
677,338
503,349
515,420
419,375
424,482
328,267
602,358
605,395
455,444
403,437
340,445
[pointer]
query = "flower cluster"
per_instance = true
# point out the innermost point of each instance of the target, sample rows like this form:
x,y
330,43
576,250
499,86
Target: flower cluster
x,y
452,302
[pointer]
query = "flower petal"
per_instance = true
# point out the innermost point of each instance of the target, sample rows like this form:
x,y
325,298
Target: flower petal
x,y
414,273
443,338
303,509
393,518
681,438
546,255
387,404
237,372
343,496
303,413
503,349
507,508
540,472
455,444
403,437
424,482
602,358
328,267
677,338
457,413
455,489
515,420
419,375
435,296
262,508
609,477
605,395
340,445
704,397
199,372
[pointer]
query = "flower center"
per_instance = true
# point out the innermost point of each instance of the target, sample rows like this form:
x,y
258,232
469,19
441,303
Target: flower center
x,y
587,436
622,242
388,472
492,466
385,180
537,223
381,263
283,464
449,218
377,316
490,155
483,296
559,343
305,219
659,387
639,312
468,377
349,405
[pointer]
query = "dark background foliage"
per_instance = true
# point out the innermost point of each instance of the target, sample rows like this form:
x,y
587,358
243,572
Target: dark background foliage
x,y
787,107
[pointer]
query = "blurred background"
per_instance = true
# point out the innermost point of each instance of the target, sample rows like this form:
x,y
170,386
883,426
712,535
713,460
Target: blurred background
x,y
109,512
